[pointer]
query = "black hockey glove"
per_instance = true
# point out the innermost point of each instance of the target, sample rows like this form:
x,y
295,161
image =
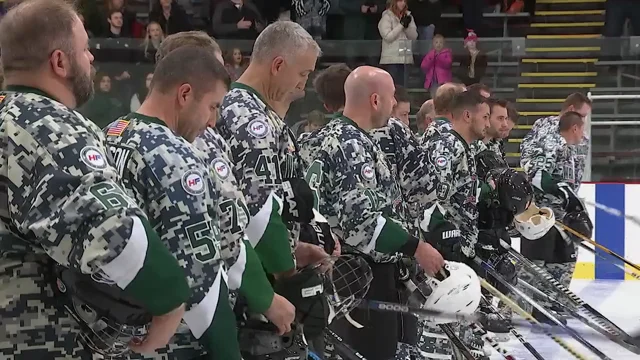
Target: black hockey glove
x,y
298,201
446,238
405,20
493,216
580,222
572,203
318,233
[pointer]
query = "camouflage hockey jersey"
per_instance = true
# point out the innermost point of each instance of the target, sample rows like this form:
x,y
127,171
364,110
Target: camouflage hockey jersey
x,y
549,160
62,200
264,158
355,189
549,125
440,125
495,145
168,179
454,184
244,267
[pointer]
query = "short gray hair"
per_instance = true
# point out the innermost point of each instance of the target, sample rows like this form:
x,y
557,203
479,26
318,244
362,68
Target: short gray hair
x,y
282,38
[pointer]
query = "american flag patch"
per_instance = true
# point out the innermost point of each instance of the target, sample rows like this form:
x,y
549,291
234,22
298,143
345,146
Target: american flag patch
x,y
1,98
117,128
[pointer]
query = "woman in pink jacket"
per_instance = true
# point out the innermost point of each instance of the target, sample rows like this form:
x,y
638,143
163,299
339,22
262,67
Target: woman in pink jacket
x,y
437,65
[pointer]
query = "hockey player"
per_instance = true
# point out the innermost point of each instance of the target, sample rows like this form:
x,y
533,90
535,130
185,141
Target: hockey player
x,y
244,267
329,85
550,161
357,192
166,175
62,200
481,89
403,105
499,128
264,152
442,106
425,116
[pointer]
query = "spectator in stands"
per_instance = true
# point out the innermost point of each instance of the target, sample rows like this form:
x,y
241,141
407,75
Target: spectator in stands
x,y
397,29
425,116
235,64
436,65
89,33
472,12
140,94
171,17
237,19
312,16
360,22
129,22
473,65
616,13
104,106
426,14
116,29
151,42
481,89
329,85
403,105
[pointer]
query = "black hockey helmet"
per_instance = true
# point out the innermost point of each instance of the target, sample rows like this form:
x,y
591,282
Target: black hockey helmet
x,y
486,161
580,222
514,190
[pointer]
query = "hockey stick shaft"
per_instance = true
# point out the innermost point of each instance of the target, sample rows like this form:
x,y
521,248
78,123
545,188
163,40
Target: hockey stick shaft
x,y
448,330
618,265
613,211
541,309
515,332
577,301
479,330
346,351
592,242
529,318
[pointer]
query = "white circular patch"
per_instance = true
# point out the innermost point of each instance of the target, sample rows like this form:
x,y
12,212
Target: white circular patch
x,y
193,182
258,128
221,168
441,161
94,159
367,172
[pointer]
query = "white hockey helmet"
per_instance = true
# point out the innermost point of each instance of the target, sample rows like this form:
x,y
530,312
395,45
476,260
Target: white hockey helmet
x,y
455,291
535,222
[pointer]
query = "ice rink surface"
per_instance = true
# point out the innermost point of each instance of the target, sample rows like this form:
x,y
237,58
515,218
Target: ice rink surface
x,y
619,301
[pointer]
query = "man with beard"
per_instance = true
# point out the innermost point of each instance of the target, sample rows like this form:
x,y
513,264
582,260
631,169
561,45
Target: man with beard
x,y
499,127
357,191
264,155
167,177
64,208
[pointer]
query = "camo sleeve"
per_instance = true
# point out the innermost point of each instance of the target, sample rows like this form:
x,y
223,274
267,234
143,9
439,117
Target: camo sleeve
x,y
254,147
63,192
456,186
540,163
359,205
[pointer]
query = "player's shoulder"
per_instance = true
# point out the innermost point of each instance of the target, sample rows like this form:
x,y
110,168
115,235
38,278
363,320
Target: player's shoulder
x,y
244,113
212,145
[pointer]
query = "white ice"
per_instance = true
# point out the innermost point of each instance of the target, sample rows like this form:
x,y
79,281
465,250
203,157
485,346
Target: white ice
x,y
619,301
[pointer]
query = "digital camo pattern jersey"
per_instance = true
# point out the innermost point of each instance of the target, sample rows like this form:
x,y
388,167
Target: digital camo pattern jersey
x,y
543,127
264,156
245,272
495,145
61,198
439,126
353,185
548,160
455,185
168,179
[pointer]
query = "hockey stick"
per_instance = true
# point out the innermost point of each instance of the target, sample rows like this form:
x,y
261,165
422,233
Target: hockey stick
x,y
529,318
448,330
598,318
574,334
613,211
479,330
514,332
616,339
616,264
345,351
592,242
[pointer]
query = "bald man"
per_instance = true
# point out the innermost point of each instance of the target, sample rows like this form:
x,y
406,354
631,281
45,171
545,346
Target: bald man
x,y
357,192
442,104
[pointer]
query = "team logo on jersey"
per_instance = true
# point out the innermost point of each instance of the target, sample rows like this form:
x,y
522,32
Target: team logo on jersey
x,y
2,97
221,168
93,158
441,161
258,128
367,172
193,182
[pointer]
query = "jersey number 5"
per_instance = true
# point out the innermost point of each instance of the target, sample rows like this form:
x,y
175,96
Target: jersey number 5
x,y
314,179
205,241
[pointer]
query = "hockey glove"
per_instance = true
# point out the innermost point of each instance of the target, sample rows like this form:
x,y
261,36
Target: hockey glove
x,y
572,203
580,222
305,290
298,201
446,238
405,20
318,233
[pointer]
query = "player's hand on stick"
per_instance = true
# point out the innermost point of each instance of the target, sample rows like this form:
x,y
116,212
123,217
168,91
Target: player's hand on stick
x,y
429,258
160,331
281,313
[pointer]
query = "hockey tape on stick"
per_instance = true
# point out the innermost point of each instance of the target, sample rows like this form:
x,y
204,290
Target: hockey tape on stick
x,y
529,318
542,310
